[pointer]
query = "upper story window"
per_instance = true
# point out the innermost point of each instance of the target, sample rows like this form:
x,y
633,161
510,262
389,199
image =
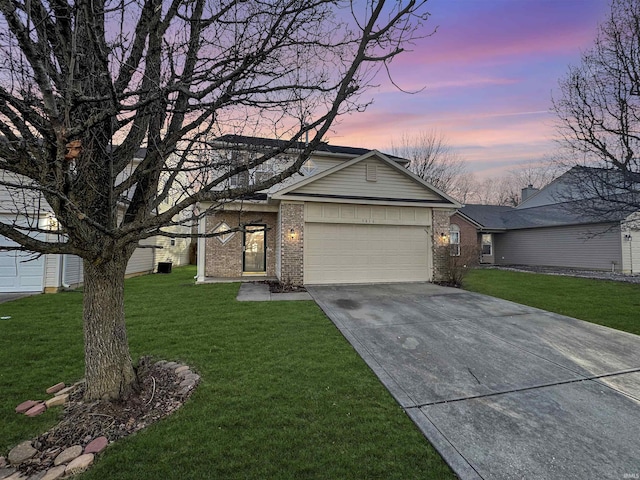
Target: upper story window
x,y
253,176
454,240
236,159
264,171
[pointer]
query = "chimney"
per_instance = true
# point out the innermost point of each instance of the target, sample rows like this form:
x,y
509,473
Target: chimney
x,y
528,192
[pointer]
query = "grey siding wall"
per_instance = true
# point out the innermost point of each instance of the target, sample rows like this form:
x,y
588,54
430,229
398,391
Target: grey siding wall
x,y
572,246
142,260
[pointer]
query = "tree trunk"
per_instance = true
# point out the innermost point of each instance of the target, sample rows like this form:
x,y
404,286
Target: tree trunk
x,y
109,371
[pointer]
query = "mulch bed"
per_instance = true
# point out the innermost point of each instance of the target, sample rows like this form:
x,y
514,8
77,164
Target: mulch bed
x,y
159,395
279,287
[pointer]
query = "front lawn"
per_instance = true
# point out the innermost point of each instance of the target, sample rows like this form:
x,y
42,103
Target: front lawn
x,y
282,395
612,304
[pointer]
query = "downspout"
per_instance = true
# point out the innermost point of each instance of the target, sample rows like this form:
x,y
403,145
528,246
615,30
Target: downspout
x,y
61,266
200,277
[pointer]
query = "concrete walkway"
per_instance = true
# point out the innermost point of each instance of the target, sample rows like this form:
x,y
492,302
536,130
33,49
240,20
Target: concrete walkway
x,y
259,292
501,390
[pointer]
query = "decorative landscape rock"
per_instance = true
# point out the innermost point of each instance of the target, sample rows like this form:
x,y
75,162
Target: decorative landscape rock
x,y
55,473
38,476
65,391
68,455
57,400
165,387
80,464
16,476
21,452
97,445
24,406
6,472
36,410
55,388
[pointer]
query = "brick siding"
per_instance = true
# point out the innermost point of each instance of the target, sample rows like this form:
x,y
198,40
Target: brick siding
x,y
292,251
225,260
441,218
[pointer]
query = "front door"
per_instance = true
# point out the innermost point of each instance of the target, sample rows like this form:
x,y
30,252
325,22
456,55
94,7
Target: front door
x,y
254,256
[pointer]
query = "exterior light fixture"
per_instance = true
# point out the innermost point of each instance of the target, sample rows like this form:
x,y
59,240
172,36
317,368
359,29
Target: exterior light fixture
x,y
292,234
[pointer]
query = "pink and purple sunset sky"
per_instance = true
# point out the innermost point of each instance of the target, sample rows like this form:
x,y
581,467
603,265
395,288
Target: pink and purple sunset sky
x,y
489,73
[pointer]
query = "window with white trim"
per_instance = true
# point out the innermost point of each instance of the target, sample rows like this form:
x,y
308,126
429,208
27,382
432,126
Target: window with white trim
x,y
454,240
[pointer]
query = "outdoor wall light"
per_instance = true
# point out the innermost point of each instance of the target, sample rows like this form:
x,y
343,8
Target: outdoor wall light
x,y
444,238
292,234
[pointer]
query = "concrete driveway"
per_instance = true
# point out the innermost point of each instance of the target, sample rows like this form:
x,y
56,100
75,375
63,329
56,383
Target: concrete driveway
x,y
501,390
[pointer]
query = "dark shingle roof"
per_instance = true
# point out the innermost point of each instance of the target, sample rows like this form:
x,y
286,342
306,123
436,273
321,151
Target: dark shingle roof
x,y
489,216
276,143
493,217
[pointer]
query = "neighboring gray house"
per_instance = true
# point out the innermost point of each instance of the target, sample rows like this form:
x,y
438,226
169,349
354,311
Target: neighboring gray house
x,y
546,230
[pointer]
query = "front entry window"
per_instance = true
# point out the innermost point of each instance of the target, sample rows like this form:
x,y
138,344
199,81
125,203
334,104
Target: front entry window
x,y
254,257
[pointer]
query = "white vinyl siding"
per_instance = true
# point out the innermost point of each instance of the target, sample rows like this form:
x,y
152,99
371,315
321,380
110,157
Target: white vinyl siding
x,y
178,254
19,201
596,247
323,163
142,261
352,181
73,273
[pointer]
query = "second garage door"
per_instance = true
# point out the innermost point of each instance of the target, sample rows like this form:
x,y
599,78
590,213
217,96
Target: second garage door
x,y
355,253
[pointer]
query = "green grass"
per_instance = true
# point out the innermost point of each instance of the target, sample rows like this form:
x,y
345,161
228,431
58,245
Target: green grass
x,y
283,395
612,304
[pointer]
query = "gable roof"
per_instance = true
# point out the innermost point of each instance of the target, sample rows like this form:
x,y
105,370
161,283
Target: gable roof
x,y
585,183
323,148
333,185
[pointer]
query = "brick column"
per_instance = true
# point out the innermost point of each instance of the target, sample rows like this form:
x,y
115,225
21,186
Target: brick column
x,y
441,222
292,242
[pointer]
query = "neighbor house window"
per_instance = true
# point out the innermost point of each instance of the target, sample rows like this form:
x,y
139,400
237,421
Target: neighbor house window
x,y
486,244
454,240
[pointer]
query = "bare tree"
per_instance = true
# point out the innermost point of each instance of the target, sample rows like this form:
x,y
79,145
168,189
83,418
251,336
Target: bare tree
x,y
106,106
507,189
433,160
599,116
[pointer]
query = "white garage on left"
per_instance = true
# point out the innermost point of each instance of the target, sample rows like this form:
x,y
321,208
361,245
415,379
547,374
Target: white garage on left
x,y
31,272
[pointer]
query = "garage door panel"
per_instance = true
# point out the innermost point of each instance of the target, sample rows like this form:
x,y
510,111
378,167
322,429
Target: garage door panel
x,y
18,275
20,271
355,253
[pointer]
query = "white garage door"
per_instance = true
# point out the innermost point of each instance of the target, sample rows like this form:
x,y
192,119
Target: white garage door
x,y
20,272
355,253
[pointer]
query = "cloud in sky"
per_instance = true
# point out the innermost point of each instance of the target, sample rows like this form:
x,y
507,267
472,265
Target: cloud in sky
x,y
485,79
